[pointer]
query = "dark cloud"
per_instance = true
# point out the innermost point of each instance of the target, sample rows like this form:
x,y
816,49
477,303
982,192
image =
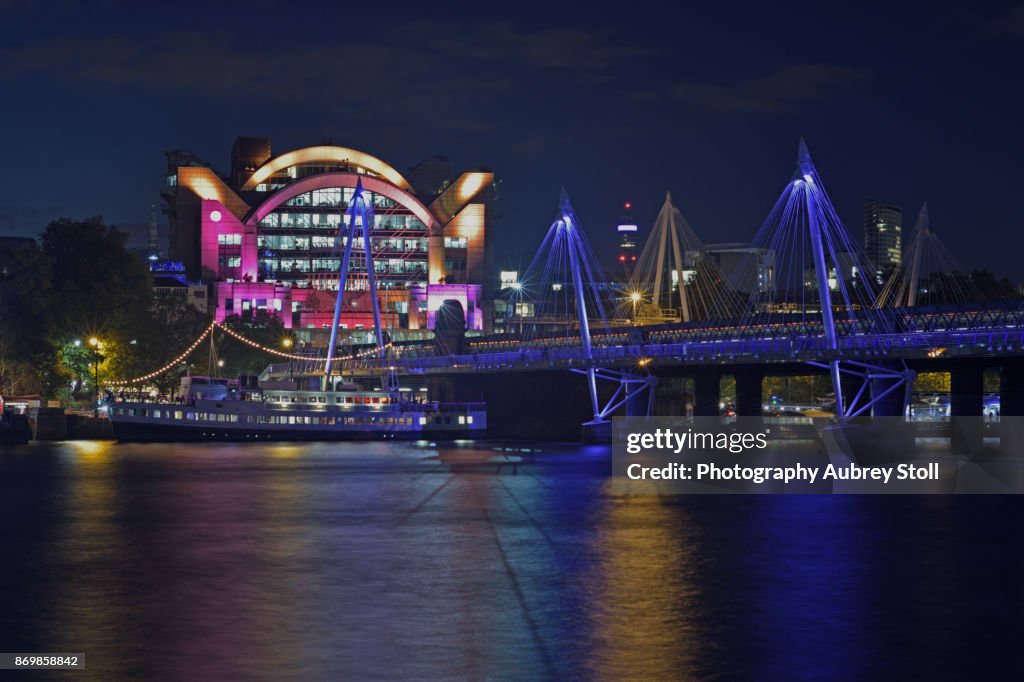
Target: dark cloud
x,y
1009,24
451,83
784,89
590,52
982,26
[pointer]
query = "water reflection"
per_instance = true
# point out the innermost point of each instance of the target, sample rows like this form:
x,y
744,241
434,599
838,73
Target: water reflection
x,y
646,605
419,561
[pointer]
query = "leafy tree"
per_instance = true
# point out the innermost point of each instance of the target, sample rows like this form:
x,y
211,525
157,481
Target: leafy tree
x,y
174,325
262,327
994,289
932,382
25,276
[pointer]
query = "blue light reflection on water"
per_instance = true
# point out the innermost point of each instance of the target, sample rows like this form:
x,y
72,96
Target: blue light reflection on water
x,y
398,561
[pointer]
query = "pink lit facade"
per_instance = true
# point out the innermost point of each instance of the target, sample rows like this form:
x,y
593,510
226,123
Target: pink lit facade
x,y
266,240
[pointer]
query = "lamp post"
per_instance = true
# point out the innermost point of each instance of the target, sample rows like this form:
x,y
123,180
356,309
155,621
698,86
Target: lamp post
x,y
287,343
635,298
96,345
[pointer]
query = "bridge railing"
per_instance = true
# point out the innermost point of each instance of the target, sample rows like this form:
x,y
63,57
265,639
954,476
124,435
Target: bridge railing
x,y
767,349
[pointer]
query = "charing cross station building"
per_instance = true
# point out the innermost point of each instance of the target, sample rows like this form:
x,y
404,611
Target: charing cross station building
x,y
263,237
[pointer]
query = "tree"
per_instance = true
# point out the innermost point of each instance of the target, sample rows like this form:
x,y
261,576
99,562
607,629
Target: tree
x,y
25,276
994,289
174,325
262,327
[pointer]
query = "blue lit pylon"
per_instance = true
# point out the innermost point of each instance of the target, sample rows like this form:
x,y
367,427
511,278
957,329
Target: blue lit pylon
x,y
811,186
359,215
568,238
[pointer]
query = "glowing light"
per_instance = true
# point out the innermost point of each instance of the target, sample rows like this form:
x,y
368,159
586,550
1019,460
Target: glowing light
x,y
287,343
195,344
333,154
470,184
215,216
517,286
809,179
94,342
628,205
635,296
78,343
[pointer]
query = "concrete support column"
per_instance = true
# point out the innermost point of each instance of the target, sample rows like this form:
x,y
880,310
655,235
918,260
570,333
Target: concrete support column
x,y
966,387
1011,407
706,391
1011,389
892,404
749,390
637,405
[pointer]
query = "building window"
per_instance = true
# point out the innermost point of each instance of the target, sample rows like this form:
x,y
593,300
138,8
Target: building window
x,y
230,261
455,242
229,239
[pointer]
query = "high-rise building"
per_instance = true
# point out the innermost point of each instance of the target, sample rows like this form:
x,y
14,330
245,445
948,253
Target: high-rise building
x,y
264,237
627,232
883,237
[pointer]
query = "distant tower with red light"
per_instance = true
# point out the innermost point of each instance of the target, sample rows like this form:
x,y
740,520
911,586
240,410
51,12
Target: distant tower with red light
x,y
627,231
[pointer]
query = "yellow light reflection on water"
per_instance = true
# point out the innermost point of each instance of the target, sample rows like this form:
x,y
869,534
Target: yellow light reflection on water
x,y
644,597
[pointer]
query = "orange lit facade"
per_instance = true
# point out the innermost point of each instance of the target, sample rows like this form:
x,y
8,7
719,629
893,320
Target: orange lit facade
x,y
264,236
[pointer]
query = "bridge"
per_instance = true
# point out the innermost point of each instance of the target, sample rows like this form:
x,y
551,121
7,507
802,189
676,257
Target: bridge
x,y
808,310
798,303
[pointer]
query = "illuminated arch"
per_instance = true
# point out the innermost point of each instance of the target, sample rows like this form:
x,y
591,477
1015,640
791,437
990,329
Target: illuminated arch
x,y
326,180
330,154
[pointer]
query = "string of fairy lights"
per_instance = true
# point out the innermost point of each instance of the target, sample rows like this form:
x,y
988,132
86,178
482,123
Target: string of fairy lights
x,y
234,334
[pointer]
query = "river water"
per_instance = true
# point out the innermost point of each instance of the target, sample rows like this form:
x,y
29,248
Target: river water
x,y
485,561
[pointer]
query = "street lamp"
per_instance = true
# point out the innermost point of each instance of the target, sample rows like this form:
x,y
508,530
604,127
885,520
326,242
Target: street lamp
x,y
286,342
96,346
635,297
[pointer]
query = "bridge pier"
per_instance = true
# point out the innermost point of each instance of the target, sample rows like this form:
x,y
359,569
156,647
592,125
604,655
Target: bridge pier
x,y
1011,407
706,391
749,391
966,384
890,404
637,405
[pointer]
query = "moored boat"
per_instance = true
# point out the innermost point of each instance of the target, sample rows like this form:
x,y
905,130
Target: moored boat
x,y
217,409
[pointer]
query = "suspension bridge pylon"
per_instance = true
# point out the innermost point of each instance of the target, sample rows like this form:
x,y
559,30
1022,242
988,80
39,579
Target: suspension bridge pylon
x,y
358,218
819,284
929,273
674,279
565,283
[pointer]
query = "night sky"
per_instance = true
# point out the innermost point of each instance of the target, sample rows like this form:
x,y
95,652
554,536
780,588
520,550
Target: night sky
x,y
904,103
